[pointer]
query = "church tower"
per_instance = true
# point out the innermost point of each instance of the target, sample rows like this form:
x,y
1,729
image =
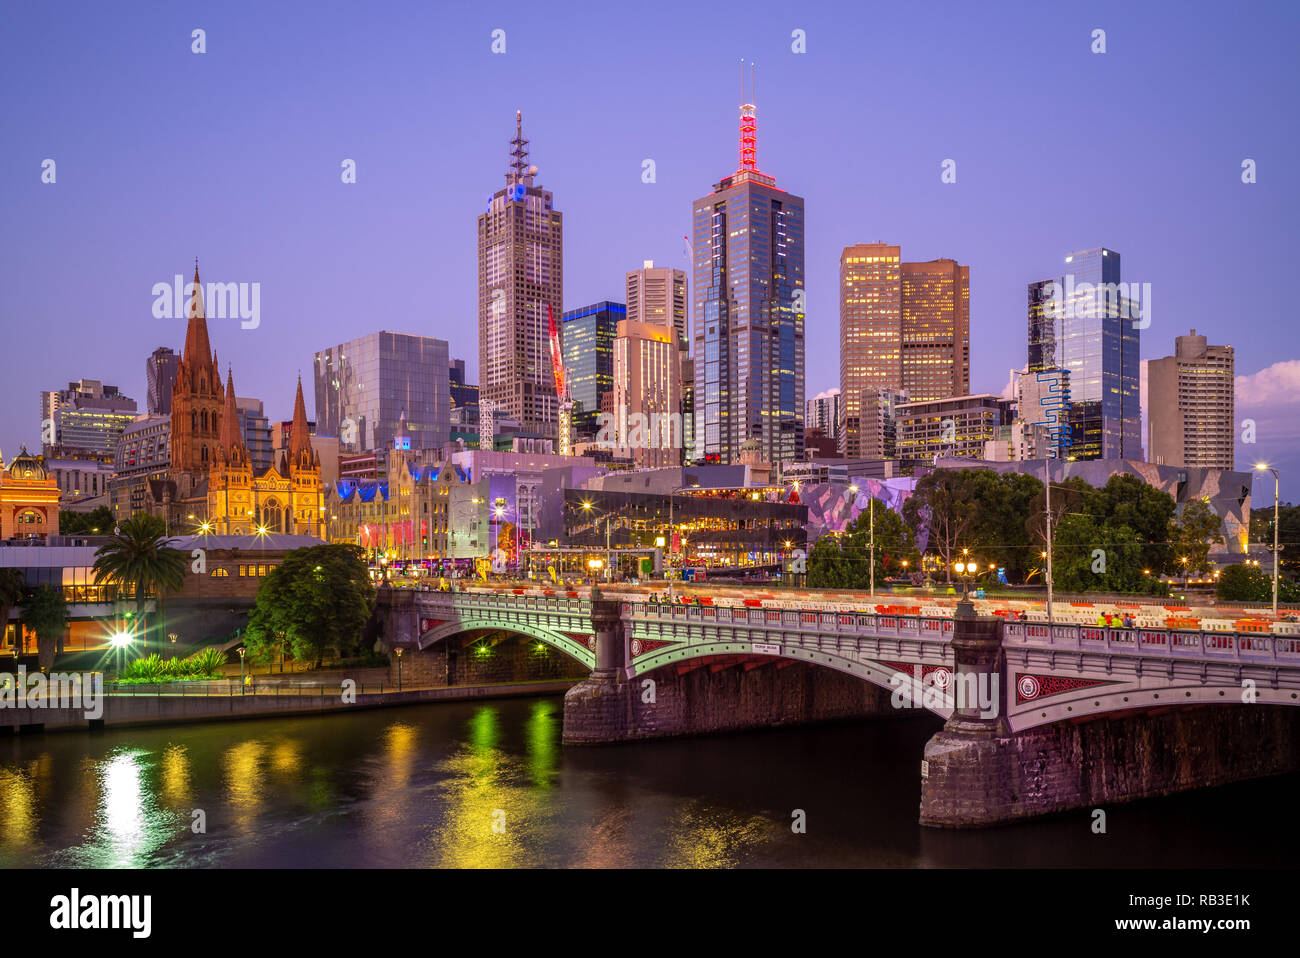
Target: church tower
x,y
197,399
300,464
230,478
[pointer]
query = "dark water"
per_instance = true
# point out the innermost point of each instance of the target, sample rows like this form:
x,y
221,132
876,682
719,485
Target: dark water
x,y
423,787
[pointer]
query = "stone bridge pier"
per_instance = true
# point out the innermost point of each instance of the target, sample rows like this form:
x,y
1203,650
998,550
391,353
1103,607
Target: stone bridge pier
x,y
718,693
977,772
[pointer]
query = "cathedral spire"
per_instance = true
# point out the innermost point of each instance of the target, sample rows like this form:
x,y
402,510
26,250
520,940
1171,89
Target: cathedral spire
x,y
299,440
197,348
233,449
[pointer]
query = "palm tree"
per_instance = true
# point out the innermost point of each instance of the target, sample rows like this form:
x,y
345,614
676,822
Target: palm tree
x,y
138,556
46,613
11,591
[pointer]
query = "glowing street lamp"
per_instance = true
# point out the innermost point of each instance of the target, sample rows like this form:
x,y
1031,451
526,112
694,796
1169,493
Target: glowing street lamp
x,y
241,669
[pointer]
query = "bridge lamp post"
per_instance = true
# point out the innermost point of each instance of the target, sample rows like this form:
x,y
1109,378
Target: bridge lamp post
x,y
964,570
241,670
586,507
1276,482
398,650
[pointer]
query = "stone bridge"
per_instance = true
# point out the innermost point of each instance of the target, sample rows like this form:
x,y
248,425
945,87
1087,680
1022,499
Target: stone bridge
x,y
1039,718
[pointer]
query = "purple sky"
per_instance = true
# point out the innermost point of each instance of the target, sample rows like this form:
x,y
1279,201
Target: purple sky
x,y
234,156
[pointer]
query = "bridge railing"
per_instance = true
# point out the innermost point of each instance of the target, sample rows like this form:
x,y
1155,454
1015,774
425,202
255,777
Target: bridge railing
x,y
453,601
793,619
1235,647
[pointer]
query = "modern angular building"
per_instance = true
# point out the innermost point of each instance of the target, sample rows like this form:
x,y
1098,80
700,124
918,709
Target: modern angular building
x,y
86,419
366,385
160,374
748,312
1190,405
587,335
520,289
904,328
958,426
1086,324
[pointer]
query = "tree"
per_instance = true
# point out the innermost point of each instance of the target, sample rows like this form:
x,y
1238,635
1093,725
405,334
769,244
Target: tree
x,y
1192,534
97,522
139,557
46,613
1244,583
941,505
1001,502
11,591
317,600
894,544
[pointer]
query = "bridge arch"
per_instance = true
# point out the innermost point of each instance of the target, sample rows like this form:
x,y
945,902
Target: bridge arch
x,y
563,643
917,693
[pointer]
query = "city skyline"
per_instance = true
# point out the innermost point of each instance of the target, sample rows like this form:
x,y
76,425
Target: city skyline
x,y
344,290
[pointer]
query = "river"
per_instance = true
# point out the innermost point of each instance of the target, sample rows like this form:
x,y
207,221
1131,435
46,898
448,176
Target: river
x,y
488,784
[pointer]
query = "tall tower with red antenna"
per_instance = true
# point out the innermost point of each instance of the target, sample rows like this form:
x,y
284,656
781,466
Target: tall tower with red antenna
x,y
747,261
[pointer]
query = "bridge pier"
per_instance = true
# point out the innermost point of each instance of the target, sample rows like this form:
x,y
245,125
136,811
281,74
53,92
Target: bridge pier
x,y
976,772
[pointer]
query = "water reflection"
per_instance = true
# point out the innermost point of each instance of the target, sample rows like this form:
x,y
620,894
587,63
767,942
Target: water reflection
x,y
487,785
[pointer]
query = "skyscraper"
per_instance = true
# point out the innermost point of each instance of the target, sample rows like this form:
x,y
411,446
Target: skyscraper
x,y
904,328
1190,405
160,375
647,393
748,314
657,295
1086,324
520,276
823,412
364,386
588,342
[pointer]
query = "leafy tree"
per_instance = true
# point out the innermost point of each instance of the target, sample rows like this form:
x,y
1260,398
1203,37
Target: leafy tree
x,y
139,557
844,562
999,533
942,502
11,592
96,522
317,600
46,613
1244,583
1192,534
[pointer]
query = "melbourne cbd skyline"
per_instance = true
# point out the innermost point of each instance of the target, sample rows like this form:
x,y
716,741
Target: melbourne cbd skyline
x,y
234,156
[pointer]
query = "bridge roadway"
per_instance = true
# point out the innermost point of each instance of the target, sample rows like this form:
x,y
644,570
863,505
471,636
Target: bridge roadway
x,y
1048,673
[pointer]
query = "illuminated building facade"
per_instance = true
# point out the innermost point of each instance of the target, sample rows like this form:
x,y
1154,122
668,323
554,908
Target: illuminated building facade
x,y
904,328
29,499
1190,405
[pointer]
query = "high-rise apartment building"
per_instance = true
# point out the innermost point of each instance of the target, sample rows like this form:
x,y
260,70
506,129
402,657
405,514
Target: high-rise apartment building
x,y
520,289
160,375
256,431
1190,405
1085,324
587,336
366,385
904,328
823,412
748,312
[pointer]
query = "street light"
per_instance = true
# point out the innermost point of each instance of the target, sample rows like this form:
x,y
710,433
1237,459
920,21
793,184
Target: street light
x,y
241,670
399,668
1260,466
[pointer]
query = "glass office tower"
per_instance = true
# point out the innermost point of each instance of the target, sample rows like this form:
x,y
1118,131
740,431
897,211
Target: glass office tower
x,y
364,386
1086,324
748,312
588,339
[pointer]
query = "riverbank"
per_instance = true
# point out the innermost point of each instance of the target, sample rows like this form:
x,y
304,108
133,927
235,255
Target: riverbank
x,y
185,706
